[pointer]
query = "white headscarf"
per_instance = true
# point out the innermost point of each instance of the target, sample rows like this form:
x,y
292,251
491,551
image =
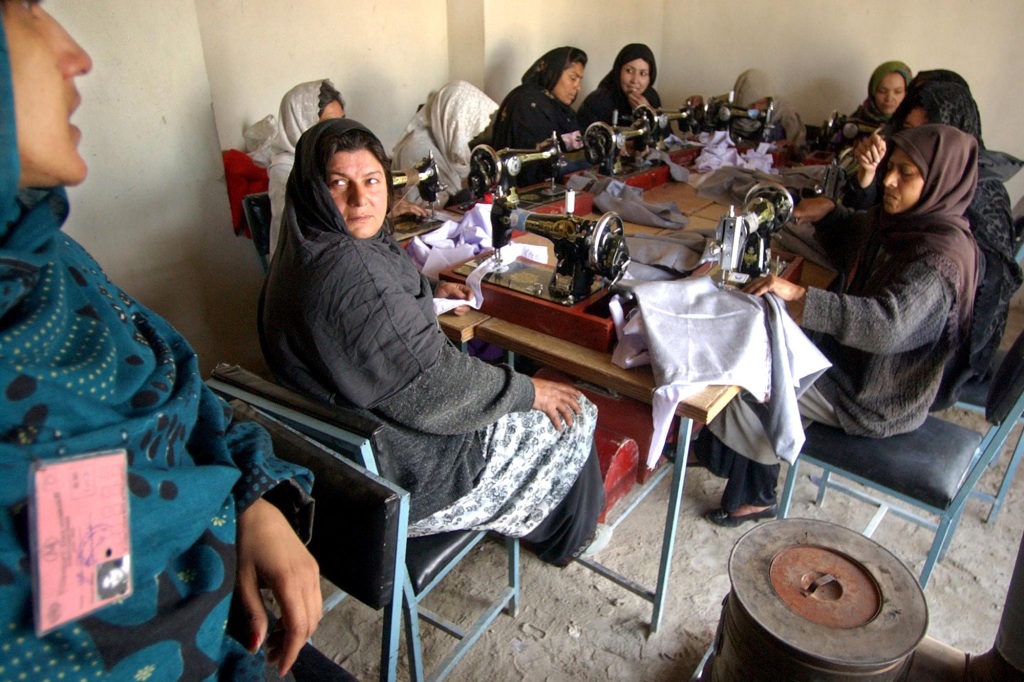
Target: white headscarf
x,y
300,111
445,125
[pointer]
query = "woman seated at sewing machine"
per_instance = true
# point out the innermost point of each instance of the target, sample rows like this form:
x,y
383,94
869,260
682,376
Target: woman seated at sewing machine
x,y
348,319
754,89
628,85
542,105
909,270
886,90
943,97
444,127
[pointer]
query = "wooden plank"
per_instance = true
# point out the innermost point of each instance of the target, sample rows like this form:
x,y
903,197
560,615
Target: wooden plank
x,y
597,368
461,328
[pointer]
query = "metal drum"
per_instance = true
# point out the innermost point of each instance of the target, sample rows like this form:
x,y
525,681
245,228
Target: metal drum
x,y
813,601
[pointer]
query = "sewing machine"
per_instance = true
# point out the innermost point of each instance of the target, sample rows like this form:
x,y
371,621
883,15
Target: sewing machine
x,y
742,243
719,114
687,115
606,144
495,171
568,301
840,131
585,250
424,176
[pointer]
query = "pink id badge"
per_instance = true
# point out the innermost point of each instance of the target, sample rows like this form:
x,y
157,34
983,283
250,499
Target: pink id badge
x,y
81,551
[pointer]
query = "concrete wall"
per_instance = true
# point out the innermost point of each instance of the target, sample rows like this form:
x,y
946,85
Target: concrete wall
x,y
176,81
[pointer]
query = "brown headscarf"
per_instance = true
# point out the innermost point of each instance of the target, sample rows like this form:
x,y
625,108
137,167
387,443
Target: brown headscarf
x,y
948,160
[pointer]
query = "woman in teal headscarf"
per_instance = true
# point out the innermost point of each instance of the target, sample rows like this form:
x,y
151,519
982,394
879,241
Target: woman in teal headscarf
x,y
84,368
886,89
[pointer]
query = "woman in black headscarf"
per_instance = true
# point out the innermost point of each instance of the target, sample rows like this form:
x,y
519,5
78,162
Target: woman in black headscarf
x,y
542,105
904,310
348,319
628,85
941,96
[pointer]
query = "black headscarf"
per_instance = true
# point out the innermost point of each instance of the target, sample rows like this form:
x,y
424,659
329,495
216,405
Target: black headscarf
x,y
946,102
342,316
547,70
948,161
307,191
612,80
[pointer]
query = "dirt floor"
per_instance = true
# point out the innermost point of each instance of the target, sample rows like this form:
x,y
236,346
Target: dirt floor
x,y
575,625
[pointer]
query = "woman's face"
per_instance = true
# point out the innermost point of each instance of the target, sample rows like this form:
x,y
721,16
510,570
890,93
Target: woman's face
x,y
903,184
917,117
890,92
635,77
360,191
568,86
44,63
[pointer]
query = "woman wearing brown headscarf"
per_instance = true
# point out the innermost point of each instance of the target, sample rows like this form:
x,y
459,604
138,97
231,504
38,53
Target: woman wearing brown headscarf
x,y
910,272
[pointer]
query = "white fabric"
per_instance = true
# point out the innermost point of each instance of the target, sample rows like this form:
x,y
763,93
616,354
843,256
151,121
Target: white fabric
x,y
300,111
454,243
720,151
444,126
698,335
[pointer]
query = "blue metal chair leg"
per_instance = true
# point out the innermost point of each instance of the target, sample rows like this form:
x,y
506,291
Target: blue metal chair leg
x,y
671,520
1004,487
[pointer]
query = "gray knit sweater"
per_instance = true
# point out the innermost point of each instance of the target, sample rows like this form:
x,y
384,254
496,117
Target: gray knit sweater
x,y
889,343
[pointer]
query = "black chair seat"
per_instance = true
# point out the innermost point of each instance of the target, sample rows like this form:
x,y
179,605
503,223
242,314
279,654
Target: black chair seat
x,y
927,464
427,557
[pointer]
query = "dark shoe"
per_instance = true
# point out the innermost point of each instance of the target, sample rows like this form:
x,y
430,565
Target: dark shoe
x,y
720,517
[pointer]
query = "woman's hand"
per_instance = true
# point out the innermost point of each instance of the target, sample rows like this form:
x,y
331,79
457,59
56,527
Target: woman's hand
x,y
560,402
271,555
637,99
404,207
782,288
813,209
869,152
456,292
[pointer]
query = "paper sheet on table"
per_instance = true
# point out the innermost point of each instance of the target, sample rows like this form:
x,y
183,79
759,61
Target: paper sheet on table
x,y
510,252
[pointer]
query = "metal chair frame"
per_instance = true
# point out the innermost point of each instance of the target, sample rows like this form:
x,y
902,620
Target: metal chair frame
x,y
987,451
355,441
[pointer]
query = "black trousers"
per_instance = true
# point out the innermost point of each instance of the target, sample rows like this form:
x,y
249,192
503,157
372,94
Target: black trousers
x,y
748,482
570,526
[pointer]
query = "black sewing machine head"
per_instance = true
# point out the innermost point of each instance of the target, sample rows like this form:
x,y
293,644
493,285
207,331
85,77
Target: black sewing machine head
x,y
584,249
839,132
724,114
423,175
605,144
495,171
688,117
743,240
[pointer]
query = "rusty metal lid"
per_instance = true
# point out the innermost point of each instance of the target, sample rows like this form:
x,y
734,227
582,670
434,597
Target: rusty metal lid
x,y
825,586
827,593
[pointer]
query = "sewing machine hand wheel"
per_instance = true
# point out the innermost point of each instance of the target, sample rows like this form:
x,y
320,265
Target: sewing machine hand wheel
x,y
609,255
599,142
776,195
484,169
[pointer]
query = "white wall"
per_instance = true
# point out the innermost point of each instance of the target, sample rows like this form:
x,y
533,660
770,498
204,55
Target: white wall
x,y
821,54
176,81
154,209
384,57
